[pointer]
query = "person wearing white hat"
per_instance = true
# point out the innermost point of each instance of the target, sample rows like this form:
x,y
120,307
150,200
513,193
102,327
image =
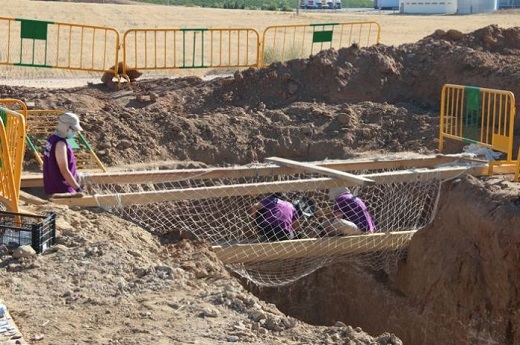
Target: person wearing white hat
x,y
59,164
351,215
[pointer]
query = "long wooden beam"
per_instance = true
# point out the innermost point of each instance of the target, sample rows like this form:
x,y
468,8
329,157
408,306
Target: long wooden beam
x,y
142,198
32,199
157,176
354,179
313,247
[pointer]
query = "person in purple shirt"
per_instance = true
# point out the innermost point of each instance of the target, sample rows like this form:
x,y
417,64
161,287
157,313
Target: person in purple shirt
x,y
276,219
59,164
351,215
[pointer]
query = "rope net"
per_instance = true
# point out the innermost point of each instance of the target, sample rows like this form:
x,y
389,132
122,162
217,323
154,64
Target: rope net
x,y
216,208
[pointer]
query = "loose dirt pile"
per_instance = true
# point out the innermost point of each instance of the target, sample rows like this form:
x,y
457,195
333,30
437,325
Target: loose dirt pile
x,y
110,282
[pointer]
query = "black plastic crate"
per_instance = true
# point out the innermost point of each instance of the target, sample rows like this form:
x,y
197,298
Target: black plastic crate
x,y
18,229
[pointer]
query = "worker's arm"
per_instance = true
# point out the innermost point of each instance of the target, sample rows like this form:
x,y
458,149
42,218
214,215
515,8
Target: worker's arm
x,y
296,225
254,208
61,159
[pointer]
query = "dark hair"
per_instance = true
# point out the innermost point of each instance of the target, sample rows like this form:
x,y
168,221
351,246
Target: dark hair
x,y
277,195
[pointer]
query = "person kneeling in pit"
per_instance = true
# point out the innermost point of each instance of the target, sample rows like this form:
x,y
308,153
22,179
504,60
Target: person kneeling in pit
x,y
59,164
351,216
276,219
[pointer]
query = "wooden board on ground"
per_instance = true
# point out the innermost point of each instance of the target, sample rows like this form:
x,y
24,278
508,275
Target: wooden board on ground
x,y
32,199
313,247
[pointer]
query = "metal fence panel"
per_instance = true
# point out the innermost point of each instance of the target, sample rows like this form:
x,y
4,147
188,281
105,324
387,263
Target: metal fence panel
x,y
13,114
286,42
160,49
35,43
478,115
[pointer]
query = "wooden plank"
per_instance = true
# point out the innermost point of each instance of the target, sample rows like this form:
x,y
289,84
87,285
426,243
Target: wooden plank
x,y
32,199
504,169
32,180
465,158
412,175
148,197
156,176
143,198
354,179
5,202
314,247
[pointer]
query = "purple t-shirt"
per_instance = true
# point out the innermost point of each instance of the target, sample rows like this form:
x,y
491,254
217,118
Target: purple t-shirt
x,y
52,178
278,213
354,210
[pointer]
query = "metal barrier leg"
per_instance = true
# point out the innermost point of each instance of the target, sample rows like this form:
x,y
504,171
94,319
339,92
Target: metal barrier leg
x,y
490,168
517,170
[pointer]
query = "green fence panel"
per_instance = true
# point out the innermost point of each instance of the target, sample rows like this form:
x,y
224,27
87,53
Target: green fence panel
x,y
33,29
322,36
472,113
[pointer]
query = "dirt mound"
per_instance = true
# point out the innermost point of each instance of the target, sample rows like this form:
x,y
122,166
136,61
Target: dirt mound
x,y
490,38
111,282
410,73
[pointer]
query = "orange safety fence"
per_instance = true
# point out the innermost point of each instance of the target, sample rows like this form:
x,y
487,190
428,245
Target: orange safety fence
x,y
48,44
286,42
517,168
160,49
481,116
13,114
8,198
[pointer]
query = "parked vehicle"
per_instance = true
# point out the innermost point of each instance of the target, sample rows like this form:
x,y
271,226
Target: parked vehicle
x,y
320,4
334,4
309,4
386,4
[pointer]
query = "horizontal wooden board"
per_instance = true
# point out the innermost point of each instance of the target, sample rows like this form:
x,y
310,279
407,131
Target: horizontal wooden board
x,y
313,247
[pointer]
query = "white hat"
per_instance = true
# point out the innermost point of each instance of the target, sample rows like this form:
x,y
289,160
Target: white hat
x,y
342,227
334,193
71,120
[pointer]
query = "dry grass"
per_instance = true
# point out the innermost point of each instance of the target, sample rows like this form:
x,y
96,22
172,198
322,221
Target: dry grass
x,y
395,29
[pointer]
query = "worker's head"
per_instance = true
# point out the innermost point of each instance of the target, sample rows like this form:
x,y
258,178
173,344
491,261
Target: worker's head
x,y
278,195
334,193
68,125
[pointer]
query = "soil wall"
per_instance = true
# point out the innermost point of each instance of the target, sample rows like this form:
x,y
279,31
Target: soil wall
x,y
458,285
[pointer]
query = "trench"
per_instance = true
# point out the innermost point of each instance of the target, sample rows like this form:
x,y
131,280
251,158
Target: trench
x,y
458,283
